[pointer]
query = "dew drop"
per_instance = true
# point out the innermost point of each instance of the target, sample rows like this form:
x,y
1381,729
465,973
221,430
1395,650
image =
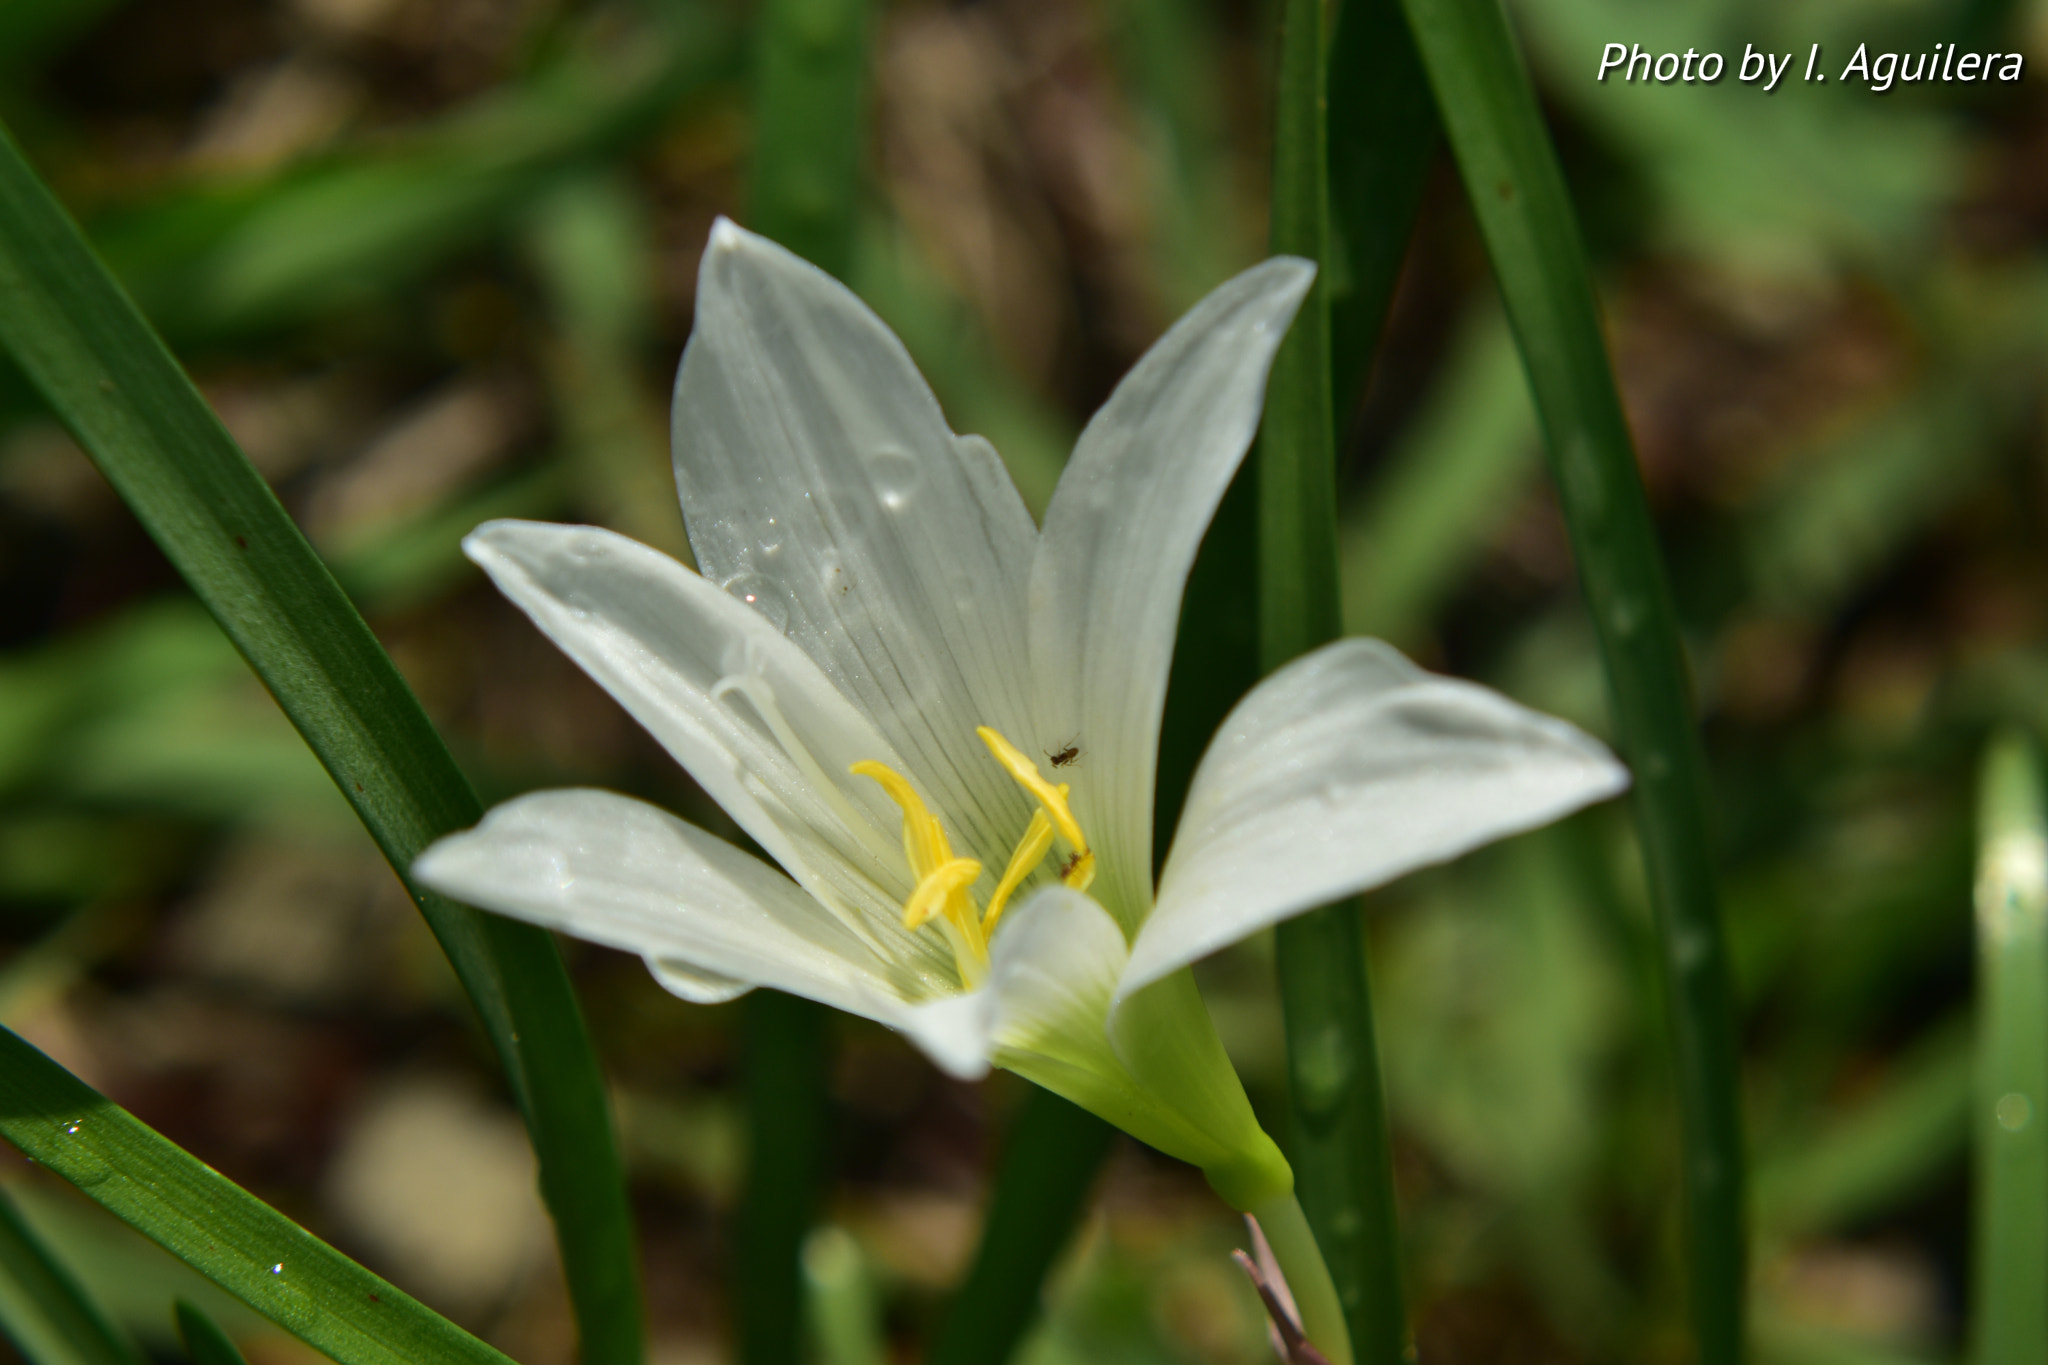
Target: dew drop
x,y
288,1305
895,477
82,1164
2013,1111
763,596
770,536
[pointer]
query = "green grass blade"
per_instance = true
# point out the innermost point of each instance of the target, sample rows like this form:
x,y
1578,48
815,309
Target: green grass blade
x,y
1891,1146
221,1230
1383,136
112,383
204,1342
810,127
2009,1282
1455,474
1050,1162
219,262
783,1050
845,1302
1518,194
810,134
1337,1133
43,1309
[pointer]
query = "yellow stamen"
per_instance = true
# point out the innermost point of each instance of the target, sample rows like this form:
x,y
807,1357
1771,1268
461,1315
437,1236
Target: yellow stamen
x,y
1030,852
1053,800
937,888
924,842
942,880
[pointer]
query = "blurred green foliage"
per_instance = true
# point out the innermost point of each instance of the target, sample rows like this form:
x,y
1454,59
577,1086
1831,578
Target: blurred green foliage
x,y
433,264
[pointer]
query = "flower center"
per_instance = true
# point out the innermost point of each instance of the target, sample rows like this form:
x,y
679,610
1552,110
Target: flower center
x,y
942,895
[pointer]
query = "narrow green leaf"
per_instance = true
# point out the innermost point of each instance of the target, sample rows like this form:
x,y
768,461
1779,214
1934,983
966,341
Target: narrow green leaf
x,y
783,1051
845,1305
204,1342
226,261
810,133
1893,1144
810,127
216,1227
1454,475
2009,1281
1050,1161
112,383
44,1310
1337,1132
1383,136
1518,194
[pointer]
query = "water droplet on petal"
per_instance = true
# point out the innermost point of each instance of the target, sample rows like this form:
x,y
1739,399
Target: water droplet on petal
x,y
770,536
763,596
895,476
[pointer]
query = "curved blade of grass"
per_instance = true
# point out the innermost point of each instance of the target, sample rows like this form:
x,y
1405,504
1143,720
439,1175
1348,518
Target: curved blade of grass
x,y
1337,1131
204,1342
1518,194
2009,1282
1050,1161
810,133
112,383
213,1225
44,1311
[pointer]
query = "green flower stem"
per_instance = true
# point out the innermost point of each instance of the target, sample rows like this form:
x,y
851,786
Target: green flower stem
x,y
1337,1115
1308,1275
1050,1160
219,1229
810,134
119,392
1518,194
2009,1281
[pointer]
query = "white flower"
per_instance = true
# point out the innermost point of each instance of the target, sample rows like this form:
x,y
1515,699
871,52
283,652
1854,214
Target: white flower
x,y
903,690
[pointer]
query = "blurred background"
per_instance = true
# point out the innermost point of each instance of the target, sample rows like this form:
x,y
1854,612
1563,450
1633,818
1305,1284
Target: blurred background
x,y
432,261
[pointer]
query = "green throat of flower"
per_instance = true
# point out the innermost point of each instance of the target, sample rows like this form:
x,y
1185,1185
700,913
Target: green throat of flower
x,y
942,895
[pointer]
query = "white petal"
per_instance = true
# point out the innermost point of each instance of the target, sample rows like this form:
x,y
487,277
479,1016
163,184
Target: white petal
x,y
1053,970
1120,537
660,639
620,872
818,474
695,984
953,1031
1344,770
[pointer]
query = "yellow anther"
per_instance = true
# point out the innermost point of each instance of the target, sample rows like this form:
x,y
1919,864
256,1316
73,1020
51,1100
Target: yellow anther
x,y
1052,800
1030,852
924,843
938,887
941,892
